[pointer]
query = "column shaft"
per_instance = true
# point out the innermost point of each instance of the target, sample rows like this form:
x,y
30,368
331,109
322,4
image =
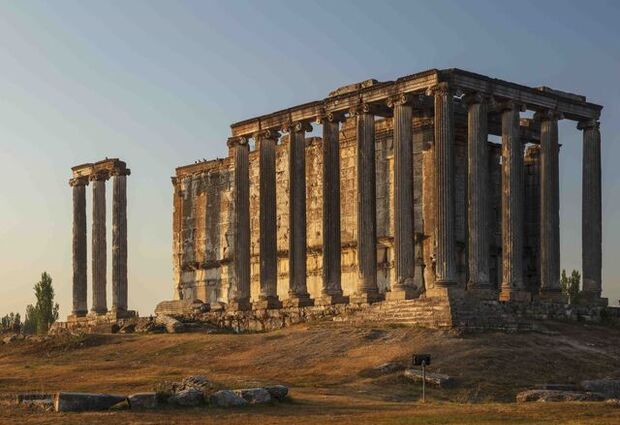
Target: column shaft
x,y
512,206
267,218
80,307
240,291
591,223
404,235
477,207
99,255
549,206
445,270
119,243
366,289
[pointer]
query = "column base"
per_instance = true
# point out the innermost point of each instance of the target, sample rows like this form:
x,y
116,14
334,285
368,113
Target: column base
x,y
331,299
516,296
81,313
551,297
298,300
593,299
265,303
239,305
366,297
96,313
76,317
482,293
402,293
449,292
120,314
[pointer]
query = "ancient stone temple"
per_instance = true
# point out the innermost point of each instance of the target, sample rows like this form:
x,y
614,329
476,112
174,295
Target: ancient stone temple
x,y
389,191
98,173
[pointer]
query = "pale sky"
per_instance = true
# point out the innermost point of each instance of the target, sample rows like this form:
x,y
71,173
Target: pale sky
x,y
157,84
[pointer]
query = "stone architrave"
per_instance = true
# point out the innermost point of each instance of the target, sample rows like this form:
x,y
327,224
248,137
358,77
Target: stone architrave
x,y
99,254
240,290
119,242
513,286
366,290
591,223
404,256
80,270
266,142
298,292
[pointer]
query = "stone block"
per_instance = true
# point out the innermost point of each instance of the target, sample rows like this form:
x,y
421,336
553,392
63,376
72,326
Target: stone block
x,y
187,398
609,387
437,379
278,392
78,402
254,395
227,398
146,400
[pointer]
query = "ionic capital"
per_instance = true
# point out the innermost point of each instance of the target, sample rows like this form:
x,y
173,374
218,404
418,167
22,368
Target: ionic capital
x,y
400,100
443,88
233,142
120,172
548,115
78,181
364,108
297,127
101,175
270,134
509,105
338,116
589,125
474,98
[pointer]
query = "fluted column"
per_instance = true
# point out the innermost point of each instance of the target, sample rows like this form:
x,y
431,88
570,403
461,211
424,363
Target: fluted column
x,y
366,289
298,292
445,269
266,143
80,307
512,287
331,292
98,240
239,291
591,224
549,207
119,242
477,188
404,258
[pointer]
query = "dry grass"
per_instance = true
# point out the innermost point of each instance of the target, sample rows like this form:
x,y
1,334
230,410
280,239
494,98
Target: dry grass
x,y
326,365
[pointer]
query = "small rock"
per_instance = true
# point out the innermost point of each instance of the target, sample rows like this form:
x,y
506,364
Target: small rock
x,y
188,397
226,398
609,387
143,400
278,392
438,379
613,402
255,395
557,395
123,405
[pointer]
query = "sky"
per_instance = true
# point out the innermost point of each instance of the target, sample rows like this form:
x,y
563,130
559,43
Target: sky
x,y
158,83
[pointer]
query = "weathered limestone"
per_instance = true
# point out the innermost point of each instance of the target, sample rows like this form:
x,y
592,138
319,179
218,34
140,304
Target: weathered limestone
x,y
512,206
80,307
266,143
444,186
403,285
239,292
298,292
119,243
477,205
549,207
366,290
591,223
331,292
99,254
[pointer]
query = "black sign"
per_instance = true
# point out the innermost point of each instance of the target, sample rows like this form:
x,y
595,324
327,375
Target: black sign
x,y
419,359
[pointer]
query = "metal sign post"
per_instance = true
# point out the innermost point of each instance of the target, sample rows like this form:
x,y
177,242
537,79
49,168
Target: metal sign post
x,y
422,360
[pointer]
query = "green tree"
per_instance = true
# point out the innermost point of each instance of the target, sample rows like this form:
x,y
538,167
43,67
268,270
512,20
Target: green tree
x,y
45,312
570,285
30,320
11,322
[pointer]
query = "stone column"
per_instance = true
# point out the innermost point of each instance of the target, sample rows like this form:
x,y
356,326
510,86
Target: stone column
x,y
119,242
331,292
404,258
80,307
99,255
549,207
477,188
591,224
266,143
298,292
239,296
445,269
512,288
366,290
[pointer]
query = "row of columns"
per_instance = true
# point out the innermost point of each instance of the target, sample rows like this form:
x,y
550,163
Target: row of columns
x,y
99,244
512,285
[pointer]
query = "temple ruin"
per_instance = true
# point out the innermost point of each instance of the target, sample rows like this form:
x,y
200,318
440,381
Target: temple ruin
x,y
403,196
98,173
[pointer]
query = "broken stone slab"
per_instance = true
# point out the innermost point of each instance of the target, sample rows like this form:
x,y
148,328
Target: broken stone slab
x,y
26,397
146,400
432,378
187,398
179,308
557,396
277,392
79,402
609,387
171,324
254,395
226,398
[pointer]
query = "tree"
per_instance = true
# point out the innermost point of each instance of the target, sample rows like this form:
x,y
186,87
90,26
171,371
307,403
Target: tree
x,y
11,322
45,312
570,285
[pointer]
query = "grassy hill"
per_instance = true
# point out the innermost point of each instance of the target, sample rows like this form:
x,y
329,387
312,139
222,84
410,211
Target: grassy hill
x,y
330,368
